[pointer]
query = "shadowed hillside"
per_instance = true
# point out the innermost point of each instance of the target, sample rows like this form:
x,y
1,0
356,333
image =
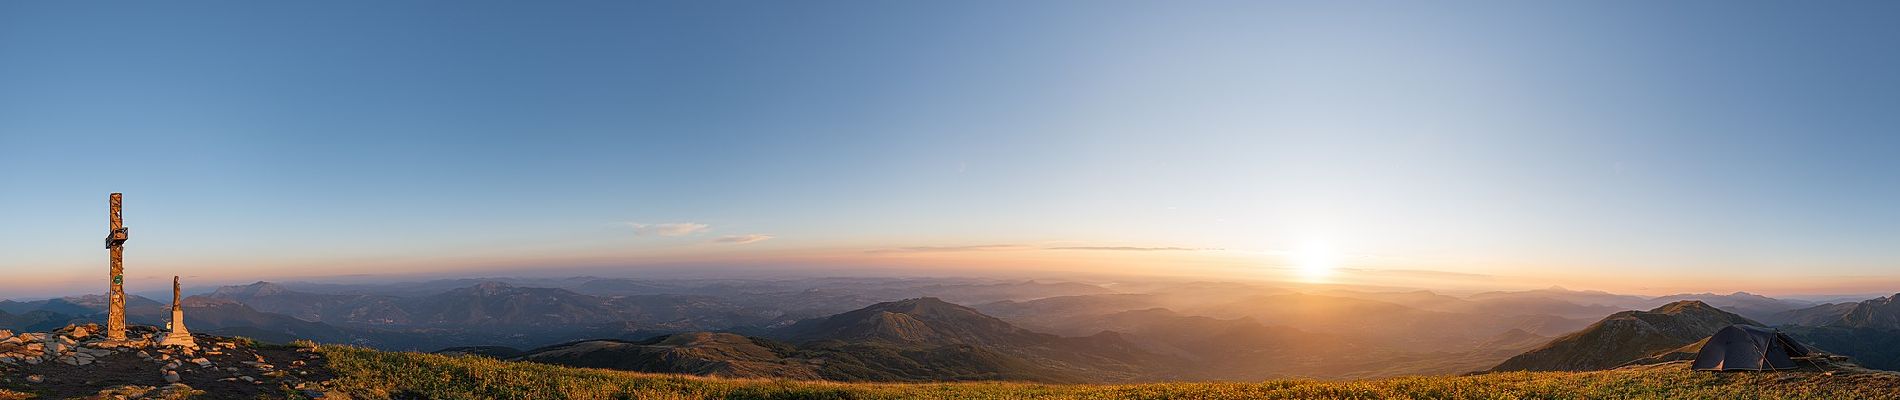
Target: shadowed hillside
x,y
1626,336
380,375
923,339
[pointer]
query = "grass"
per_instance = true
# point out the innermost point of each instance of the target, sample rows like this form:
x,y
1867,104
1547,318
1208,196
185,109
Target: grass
x,y
376,375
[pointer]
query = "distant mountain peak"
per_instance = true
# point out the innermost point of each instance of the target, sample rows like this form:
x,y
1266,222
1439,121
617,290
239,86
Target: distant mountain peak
x,y
259,288
1686,306
923,320
491,287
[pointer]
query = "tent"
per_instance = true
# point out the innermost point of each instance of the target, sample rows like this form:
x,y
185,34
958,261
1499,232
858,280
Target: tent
x,y
1748,348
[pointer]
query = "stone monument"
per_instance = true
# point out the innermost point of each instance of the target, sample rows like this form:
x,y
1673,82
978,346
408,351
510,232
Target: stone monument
x,y
176,334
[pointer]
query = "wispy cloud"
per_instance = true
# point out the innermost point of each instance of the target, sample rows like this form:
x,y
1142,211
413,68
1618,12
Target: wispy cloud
x,y
1130,248
668,229
947,249
743,239
1419,273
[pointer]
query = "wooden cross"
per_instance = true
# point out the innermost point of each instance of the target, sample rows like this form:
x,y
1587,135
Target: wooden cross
x,y
115,241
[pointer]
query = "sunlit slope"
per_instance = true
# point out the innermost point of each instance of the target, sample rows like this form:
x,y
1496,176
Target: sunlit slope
x,y
374,374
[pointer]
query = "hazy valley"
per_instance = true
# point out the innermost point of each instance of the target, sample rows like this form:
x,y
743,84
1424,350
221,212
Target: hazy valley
x,y
935,329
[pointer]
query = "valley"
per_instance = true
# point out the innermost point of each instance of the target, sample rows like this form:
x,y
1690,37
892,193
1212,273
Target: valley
x,y
962,329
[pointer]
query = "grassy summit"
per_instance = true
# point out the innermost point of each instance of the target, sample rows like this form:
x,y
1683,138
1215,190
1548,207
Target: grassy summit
x,y
375,374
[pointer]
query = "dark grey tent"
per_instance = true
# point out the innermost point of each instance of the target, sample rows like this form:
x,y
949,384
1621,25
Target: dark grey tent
x,y
1748,348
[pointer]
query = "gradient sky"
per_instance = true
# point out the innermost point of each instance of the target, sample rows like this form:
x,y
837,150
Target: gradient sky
x,y
1623,145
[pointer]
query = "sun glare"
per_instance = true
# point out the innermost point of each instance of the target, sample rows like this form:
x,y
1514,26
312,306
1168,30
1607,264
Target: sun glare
x,y
1315,262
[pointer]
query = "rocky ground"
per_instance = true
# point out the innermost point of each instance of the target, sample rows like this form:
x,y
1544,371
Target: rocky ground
x,y
78,362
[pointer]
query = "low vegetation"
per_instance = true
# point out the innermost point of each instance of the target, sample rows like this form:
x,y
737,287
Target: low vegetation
x,y
376,374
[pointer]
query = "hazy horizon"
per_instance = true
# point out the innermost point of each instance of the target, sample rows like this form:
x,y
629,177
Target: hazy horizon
x,y
1449,146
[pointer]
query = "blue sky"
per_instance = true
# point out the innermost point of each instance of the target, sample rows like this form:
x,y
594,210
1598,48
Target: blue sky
x,y
1579,143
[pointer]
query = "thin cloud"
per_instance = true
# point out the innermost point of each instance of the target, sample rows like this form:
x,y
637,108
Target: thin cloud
x,y
668,229
1129,248
743,239
948,249
1419,273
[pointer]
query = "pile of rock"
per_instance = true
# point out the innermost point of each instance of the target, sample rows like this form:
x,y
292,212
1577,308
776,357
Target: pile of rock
x,y
72,345
136,392
219,365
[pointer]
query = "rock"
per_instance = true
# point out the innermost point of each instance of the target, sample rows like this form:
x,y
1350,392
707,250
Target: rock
x,y
124,392
201,361
247,378
171,376
35,379
5,334
175,391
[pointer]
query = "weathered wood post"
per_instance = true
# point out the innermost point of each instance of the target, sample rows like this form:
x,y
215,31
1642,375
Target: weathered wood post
x,y
115,308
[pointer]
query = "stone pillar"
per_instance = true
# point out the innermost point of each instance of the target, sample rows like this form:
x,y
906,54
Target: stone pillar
x,y
115,296
178,335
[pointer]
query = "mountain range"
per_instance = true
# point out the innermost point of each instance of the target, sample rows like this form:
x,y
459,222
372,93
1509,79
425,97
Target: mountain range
x,y
922,339
1051,331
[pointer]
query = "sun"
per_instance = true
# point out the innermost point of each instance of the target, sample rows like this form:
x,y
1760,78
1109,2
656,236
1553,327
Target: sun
x,y
1315,262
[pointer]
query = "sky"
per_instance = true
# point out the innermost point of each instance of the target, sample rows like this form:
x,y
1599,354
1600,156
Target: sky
x,y
1647,147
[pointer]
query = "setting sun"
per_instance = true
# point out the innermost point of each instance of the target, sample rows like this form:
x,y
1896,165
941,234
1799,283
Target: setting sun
x,y
1315,262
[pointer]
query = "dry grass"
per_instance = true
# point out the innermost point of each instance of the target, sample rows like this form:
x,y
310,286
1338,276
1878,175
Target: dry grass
x,y
375,374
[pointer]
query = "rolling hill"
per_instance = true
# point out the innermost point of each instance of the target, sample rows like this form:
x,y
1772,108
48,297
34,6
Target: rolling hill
x,y
369,374
923,339
1626,336
697,353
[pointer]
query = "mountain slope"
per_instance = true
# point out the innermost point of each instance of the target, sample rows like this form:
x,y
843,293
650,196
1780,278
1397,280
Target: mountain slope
x,y
1821,315
1868,331
928,337
926,320
1626,336
1881,313
699,353
364,373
